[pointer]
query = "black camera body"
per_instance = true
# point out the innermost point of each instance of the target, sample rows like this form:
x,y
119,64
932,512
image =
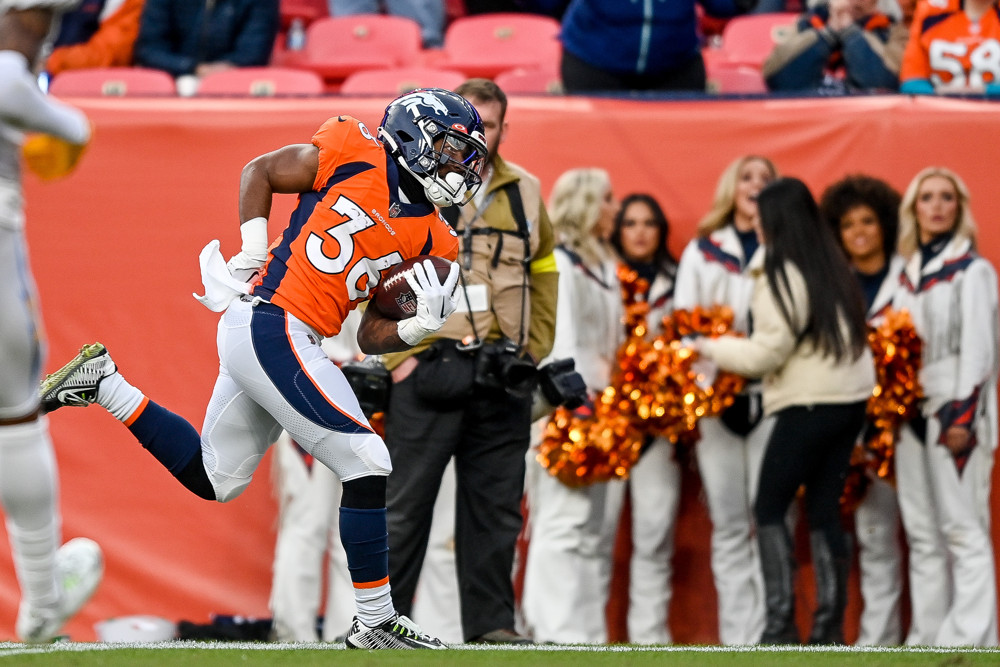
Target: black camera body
x,y
499,365
560,384
371,382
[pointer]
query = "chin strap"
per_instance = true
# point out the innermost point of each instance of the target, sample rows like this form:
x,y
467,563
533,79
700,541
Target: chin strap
x,y
440,197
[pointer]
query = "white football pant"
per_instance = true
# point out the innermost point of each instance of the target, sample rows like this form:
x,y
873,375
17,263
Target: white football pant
x,y
730,471
946,517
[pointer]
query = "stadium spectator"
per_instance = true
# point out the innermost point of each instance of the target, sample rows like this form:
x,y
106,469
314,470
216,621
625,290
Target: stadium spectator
x,y
97,39
55,581
640,236
713,271
189,39
962,37
430,14
622,45
863,212
553,8
775,6
281,302
462,394
944,458
842,46
809,344
572,530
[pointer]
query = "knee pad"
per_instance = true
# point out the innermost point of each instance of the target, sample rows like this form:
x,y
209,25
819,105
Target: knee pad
x,y
15,435
28,472
350,455
372,450
227,484
228,488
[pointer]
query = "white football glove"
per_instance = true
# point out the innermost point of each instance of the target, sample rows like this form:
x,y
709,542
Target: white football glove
x,y
245,268
435,302
246,265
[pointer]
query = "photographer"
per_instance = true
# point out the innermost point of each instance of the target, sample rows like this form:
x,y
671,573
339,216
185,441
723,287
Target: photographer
x,y
465,392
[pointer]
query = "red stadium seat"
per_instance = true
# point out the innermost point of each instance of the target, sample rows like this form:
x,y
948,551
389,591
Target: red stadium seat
x,y
534,81
735,79
261,82
112,82
307,10
337,46
749,39
483,45
399,80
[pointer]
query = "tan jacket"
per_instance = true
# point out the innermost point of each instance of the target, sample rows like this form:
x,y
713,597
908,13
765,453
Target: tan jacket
x,y
513,311
793,372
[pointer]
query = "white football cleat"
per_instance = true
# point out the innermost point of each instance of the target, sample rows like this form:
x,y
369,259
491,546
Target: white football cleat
x,y
398,632
79,569
77,382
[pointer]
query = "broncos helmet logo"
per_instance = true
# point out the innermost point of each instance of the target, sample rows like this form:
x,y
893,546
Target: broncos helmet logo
x,y
420,98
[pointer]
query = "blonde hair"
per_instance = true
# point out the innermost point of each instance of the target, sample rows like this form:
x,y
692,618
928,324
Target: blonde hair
x,y
909,232
575,208
724,202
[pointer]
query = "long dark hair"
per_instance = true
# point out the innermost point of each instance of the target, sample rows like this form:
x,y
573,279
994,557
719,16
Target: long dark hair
x,y
663,259
863,190
793,232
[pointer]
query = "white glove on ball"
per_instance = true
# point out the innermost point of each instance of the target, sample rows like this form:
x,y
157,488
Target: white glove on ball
x,y
435,301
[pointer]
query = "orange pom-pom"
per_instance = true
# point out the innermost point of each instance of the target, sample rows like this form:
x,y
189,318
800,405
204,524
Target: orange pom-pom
x,y
897,349
654,392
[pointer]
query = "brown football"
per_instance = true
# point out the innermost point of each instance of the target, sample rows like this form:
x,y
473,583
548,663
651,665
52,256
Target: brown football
x,y
394,297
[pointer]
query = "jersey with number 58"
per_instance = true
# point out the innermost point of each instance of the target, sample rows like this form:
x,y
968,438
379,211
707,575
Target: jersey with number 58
x,y
350,228
951,51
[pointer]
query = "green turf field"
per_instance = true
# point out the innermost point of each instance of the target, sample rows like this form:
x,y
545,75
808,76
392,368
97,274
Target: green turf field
x,y
230,653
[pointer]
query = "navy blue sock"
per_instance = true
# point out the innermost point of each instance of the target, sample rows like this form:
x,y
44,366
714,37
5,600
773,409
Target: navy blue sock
x,y
365,536
175,444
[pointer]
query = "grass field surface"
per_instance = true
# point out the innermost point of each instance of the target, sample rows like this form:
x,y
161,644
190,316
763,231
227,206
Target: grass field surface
x,y
299,655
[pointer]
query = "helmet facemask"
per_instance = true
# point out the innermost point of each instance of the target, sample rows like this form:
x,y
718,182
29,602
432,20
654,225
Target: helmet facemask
x,y
452,166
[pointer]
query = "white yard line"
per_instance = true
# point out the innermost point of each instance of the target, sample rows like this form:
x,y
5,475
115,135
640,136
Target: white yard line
x,y
10,649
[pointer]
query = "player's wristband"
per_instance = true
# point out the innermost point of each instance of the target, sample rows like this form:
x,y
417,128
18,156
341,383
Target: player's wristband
x,y
410,332
254,234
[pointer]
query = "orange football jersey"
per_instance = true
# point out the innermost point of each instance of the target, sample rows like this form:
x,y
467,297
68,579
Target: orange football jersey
x,y
348,230
950,50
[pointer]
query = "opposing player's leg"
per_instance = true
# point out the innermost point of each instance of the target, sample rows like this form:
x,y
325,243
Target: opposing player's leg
x,y
53,581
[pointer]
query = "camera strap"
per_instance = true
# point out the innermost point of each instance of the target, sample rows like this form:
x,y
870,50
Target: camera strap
x,y
452,215
517,210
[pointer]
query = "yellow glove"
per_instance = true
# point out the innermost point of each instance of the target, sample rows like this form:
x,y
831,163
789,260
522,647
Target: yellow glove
x,y
51,157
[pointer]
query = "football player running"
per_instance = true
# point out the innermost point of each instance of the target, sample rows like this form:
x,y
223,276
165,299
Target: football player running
x,y
55,581
364,205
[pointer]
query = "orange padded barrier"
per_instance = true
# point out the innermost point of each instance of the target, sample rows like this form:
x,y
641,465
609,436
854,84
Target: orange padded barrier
x,y
115,245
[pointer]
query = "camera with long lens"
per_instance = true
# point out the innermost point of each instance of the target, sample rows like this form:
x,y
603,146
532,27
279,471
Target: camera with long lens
x,y
499,365
370,381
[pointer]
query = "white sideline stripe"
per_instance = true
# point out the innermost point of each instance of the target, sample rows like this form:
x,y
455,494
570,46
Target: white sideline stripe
x,y
10,649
